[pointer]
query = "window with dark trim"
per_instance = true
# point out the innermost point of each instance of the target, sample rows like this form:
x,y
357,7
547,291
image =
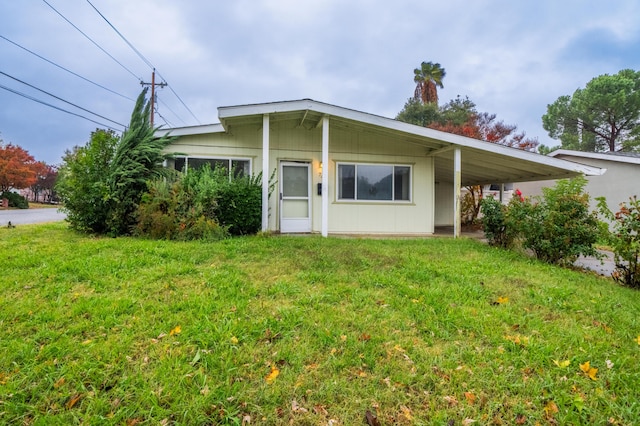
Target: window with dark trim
x,y
374,182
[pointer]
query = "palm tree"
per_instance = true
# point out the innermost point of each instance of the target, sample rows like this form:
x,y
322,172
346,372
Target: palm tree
x,y
427,77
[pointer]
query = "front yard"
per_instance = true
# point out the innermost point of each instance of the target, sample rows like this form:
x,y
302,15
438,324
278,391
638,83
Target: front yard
x,y
288,330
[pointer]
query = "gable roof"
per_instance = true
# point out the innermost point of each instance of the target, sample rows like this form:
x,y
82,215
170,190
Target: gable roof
x,y
482,162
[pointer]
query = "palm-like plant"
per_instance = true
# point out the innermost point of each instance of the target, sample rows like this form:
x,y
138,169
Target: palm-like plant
x,y
428,78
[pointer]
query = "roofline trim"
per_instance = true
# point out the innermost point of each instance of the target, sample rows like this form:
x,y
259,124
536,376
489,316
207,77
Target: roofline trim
x,y
388,123
596,156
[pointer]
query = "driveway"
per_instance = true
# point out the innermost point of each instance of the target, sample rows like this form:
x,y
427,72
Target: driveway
x,y
26,216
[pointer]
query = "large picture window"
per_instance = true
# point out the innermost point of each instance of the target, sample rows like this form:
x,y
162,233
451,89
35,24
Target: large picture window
x,y
236,167
374,182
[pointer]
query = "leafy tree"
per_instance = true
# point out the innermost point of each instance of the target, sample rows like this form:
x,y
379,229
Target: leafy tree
x,y
460,116
604,116
46,176
17,167
101,184
82,184
428,78
415,112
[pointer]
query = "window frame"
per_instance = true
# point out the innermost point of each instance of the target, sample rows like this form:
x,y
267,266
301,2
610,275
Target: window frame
x,y
229,161
355,189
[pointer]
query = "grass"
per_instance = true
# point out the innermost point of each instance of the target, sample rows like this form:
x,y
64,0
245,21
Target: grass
x,y
285,330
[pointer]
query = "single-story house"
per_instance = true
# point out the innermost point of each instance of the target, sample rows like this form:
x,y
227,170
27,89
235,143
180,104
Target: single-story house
x,y
621,180
342,171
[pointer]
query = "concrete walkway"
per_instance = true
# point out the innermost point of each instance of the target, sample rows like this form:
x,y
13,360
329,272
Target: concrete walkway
x,y
27,216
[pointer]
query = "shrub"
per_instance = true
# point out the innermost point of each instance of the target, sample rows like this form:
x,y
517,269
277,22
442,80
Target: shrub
x,y
557,227
239,205
15,200
625,240
101,183
82,185
174,211
496,229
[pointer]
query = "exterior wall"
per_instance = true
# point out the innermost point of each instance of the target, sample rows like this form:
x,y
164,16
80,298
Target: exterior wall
x,y
617,184
444,204
289,143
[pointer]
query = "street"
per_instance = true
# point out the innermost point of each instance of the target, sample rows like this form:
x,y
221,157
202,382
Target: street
x,y
26,216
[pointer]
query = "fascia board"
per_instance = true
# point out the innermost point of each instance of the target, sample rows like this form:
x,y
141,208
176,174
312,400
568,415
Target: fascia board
x,y
388,123
595,156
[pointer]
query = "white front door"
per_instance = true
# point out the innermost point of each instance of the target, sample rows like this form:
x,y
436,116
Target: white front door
x,y
295,197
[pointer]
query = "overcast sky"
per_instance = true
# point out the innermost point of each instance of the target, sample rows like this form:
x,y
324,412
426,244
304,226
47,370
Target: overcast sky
x,y
511,58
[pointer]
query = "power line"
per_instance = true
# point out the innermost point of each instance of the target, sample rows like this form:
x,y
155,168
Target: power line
x,y
54,107
180,99
172,111
60,99
145,60
67,70
91,40
140,55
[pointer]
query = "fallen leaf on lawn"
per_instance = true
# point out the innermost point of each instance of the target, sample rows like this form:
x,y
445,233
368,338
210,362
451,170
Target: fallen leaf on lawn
x,y
609,364
521,419
59,383
502,300
550,408
320,410
176,330
638,339
333,351
205,390
86,342
246,419
371,419
451,400
467,422
234,340
562,364
588,370
406,413
364,337
471,398
73,401
296,408
161,335
271,377
398,348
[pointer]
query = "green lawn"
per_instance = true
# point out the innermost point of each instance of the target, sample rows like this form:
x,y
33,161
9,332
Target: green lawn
x,y
305,330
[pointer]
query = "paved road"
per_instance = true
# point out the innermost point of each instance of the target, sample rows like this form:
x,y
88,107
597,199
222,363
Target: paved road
x,y
25,216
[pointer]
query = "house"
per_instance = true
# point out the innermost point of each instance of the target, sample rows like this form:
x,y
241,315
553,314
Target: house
x,y
342,171
621,180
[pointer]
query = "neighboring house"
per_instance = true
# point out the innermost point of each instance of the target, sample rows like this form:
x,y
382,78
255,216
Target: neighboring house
x,y
341,171
621,180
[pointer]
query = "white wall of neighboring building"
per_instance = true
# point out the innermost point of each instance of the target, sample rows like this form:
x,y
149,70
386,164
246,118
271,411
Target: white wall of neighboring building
x,y
617,184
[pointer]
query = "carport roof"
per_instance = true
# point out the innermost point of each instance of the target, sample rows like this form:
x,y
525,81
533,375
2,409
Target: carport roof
x,y
482,162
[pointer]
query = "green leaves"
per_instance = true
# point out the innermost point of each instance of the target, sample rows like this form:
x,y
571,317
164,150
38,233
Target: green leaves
x,y
101,183
604,116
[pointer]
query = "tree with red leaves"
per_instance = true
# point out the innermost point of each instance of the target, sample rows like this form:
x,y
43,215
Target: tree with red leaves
x,y
46,176
16,167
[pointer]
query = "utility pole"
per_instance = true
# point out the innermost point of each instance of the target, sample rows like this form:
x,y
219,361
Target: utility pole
x,y
153,85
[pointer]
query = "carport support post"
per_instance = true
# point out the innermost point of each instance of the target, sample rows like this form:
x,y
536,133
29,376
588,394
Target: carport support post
x,y
265,172
325,176
457,166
